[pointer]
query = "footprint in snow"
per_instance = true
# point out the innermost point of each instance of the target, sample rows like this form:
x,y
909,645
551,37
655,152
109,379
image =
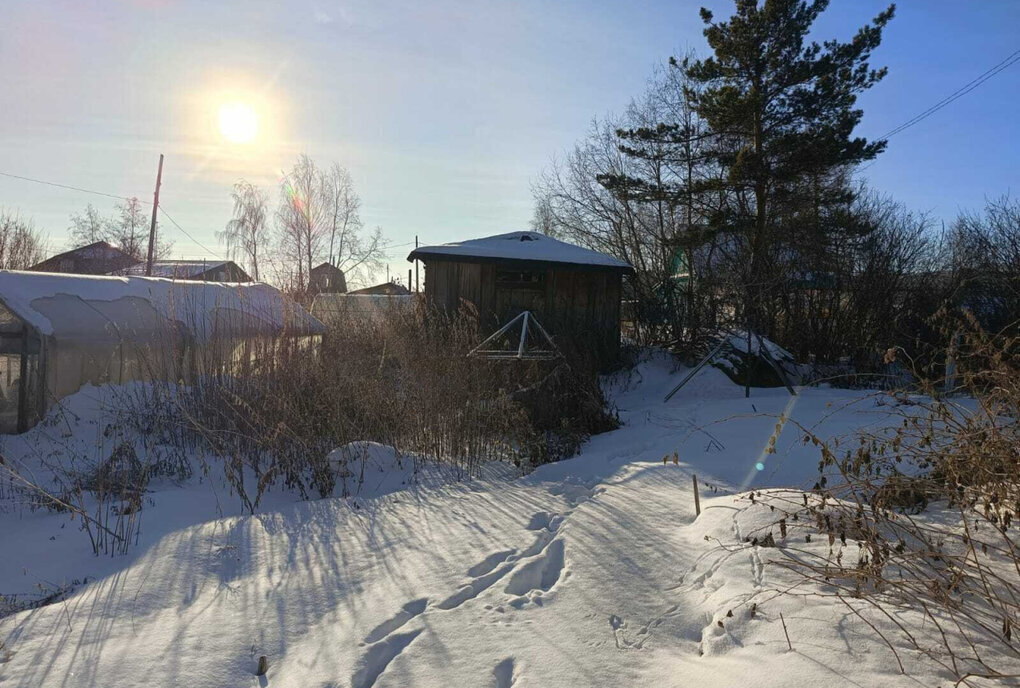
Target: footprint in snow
x,y
543,520
504,674
622,643
379,656
406,613
490,562
537,576
576,491
473,589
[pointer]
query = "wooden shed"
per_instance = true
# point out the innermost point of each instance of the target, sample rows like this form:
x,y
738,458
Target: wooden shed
x,y
573,291
326,278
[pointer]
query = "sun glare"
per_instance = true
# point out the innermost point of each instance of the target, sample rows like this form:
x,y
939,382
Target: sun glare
x,y
238,122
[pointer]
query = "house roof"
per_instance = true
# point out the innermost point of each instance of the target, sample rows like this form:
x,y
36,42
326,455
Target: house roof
x,y
529,247
99,249
384,289
327,267
181,269
102,308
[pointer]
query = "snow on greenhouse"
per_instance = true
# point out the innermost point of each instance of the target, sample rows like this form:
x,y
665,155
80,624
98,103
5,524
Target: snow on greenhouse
x,y
59,332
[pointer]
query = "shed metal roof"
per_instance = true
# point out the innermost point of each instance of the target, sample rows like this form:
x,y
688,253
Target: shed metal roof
x,y
530,247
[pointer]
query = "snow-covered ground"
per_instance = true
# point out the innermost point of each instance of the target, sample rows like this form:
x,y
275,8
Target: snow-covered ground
x,y
588,572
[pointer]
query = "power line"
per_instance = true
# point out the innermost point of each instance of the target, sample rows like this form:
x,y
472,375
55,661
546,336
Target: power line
x,y
174,222
126,198
114,196
958,93
1010,60
72,188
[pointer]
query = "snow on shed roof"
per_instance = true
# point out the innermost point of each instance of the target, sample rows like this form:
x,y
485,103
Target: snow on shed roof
x,y
67,305
524,246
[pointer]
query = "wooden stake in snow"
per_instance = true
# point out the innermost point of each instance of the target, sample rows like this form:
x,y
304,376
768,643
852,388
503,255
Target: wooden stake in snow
x,y
785,632
263,666
697,499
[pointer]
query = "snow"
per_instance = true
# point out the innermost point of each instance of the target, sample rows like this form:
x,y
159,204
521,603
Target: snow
x,y
737,340
589,572
529,246
41,299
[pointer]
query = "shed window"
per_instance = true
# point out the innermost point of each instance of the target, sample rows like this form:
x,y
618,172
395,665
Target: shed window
x,y
520,279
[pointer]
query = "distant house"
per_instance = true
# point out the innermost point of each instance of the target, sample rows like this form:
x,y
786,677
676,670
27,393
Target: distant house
x,y
574,292
190,270
384,289
327,279
100,258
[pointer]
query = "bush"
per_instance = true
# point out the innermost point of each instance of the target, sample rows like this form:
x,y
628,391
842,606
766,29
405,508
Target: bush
x,y
399,378
932,504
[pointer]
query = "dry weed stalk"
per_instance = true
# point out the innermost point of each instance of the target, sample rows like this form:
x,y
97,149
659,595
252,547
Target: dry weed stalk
x,y
920,517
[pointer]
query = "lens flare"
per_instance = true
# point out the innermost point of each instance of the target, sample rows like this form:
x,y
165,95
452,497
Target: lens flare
x,y
759,464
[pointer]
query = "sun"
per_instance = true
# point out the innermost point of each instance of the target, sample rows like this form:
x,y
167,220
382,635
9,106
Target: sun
x,y
238,122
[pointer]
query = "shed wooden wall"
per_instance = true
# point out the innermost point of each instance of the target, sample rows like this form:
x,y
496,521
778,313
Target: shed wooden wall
x,y
580,307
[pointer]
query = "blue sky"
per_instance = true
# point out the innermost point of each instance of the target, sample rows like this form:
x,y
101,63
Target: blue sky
x,y
443,111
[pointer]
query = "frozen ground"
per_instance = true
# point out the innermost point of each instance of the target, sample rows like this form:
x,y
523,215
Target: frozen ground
x,y
589,572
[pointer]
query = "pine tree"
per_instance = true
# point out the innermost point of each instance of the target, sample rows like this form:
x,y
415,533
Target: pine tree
x,y
782,112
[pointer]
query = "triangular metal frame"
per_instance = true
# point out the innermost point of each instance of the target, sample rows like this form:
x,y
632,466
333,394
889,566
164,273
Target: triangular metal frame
x,y
528,322
723,342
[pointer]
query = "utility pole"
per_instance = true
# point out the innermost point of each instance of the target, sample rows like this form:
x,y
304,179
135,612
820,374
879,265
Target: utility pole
x,y
415,265
155,209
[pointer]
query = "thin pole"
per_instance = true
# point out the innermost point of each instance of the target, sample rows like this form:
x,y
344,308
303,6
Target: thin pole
x,y
415,266
747,370
496,334
155,209
775,366
694,371
524,335
697,498
23,387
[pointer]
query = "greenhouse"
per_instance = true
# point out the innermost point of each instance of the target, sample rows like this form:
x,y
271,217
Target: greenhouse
x,y
336,309
59,332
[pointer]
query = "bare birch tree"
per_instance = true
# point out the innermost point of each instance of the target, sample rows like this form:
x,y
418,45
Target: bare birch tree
x,y
300,217
89,226
130,230
127,229
349,249
247,234
319,219
21,245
